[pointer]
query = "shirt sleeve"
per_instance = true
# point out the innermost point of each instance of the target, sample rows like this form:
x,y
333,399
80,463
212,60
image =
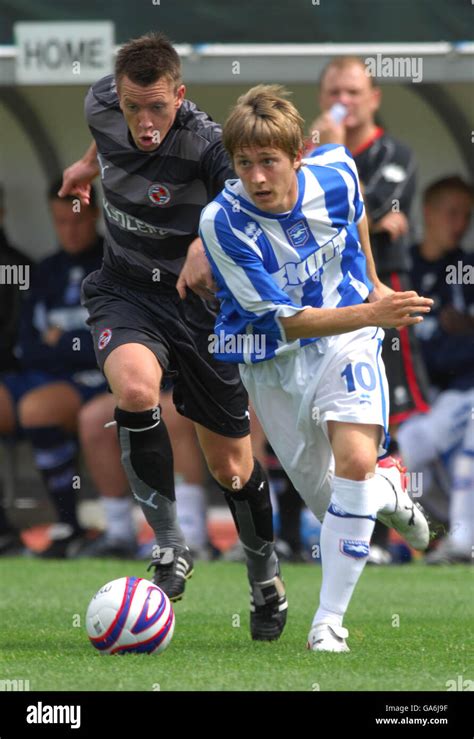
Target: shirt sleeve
x,y
340,158
355,193
215,168
247,290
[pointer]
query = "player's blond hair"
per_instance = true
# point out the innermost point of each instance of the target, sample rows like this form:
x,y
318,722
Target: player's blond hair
x,y
264,117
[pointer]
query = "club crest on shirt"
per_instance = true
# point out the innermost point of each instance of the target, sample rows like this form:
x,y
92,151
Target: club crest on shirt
x,y
298,234
104,338
159,194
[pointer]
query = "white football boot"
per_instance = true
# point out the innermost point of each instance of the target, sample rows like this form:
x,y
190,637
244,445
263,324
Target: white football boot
x,y
408,518
325,637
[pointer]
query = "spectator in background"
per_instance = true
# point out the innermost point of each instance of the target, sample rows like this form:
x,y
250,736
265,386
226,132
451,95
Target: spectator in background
x,y
387,171
57,367
15,274
445,272
10,293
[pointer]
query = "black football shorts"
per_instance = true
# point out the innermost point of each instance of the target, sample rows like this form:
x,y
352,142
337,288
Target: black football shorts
x,y
177,331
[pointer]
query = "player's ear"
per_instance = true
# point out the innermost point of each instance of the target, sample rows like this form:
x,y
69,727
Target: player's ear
x,y
180,93
297,159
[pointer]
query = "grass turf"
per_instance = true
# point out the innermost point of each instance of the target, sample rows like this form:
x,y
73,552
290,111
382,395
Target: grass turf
x,y
43,640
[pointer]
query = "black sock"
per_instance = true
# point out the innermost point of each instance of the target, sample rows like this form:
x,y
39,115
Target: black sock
x,y
55,454
147,458
251,509
290,503
290,506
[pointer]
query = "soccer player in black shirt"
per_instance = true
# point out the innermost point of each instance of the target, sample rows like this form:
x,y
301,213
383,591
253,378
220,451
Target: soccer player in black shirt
x,y
151,309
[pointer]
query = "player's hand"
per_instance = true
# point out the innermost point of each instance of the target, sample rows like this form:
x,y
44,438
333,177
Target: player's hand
x,y
324,130
196,273
398,309
395,224
77,180
380,291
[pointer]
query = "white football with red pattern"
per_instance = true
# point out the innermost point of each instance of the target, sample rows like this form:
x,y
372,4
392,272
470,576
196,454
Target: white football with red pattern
x,y
130,614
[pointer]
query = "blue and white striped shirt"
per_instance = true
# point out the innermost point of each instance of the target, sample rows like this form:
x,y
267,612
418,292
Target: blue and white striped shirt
x,y
270,266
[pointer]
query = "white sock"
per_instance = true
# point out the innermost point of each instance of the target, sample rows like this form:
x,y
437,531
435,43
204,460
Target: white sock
x,y
191,507
461,525
385,497
119,525
345,539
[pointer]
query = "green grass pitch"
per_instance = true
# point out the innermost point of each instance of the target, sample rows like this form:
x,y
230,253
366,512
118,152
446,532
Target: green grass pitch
x,y
409,629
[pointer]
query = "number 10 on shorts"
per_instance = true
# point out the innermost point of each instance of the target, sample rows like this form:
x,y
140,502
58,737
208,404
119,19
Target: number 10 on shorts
x,y
362,373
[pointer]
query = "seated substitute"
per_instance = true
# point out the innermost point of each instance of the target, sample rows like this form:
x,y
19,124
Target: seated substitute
x,y
15,270
288,244
57,368
444,272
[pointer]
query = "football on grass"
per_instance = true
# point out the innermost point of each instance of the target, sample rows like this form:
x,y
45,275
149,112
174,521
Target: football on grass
x,y
130,614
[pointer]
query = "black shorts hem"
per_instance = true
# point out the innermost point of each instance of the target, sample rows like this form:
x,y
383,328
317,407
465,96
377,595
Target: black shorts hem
x,y
209,426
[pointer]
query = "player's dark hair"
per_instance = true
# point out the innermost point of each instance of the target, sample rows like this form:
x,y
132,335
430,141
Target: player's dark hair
x,y
264,117
52,193
453,183
342,62
146,59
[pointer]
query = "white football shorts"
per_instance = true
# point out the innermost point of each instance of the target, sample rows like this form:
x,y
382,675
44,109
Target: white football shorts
x,y
338,378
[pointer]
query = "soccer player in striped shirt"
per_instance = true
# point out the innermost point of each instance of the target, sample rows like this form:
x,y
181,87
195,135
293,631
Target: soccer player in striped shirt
x,y
289,248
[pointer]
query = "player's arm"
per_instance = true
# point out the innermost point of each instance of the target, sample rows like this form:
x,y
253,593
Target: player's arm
x,y
362,221
393,311
196,273
385,309
243,279
78,177
380,290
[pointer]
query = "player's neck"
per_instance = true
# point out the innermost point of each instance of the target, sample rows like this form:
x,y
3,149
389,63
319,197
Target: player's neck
x,y
356,137
431,250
